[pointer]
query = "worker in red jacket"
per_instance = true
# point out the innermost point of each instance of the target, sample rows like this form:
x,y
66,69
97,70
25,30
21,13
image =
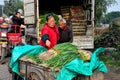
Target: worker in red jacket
x,y
50,33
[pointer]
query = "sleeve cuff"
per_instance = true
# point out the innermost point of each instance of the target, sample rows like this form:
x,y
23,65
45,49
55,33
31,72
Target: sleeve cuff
x,y
45,37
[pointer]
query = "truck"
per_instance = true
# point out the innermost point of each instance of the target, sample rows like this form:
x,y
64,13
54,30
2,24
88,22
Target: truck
x,y
79,15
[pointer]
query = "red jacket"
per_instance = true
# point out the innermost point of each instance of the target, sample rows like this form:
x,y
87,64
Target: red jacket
x,y
53,34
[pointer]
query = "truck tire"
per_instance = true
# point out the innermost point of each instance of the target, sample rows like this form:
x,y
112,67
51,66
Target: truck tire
x,y
35,74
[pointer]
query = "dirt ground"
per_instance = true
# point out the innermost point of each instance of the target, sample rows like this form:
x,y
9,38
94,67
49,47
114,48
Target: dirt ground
x,y
113,74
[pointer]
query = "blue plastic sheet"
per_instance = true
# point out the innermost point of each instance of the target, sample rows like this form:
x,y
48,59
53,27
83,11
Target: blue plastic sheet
x,y
20,51
78,67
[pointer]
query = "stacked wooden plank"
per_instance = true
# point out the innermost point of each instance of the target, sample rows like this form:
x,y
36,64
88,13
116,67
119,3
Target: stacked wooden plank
x,y
65,11
77,20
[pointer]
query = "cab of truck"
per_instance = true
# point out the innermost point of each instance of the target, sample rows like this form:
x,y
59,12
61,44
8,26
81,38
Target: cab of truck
x,y
78,13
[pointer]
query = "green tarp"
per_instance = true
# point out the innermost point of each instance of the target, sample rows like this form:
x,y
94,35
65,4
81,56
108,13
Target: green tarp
x,y
20,51
77,67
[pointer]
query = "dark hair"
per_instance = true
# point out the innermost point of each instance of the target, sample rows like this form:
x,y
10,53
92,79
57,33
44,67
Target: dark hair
x,y
17,13
48,16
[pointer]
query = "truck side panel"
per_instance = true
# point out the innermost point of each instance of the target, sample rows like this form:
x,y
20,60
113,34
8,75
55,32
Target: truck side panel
x,y
29,11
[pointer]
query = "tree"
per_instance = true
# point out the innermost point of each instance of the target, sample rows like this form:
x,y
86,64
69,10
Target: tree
x,y
115,23
12,6
109,17
101,8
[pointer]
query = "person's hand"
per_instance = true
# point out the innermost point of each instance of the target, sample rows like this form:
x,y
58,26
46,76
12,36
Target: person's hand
x,y
48,43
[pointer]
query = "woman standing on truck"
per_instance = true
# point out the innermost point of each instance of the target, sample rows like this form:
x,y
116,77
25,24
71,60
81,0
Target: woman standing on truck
x,y
50,33
66,34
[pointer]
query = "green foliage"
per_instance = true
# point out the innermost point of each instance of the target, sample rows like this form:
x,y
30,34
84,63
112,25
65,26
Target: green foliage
x,y
111,17
66,47
101,8
115,24
106,60
12,6
67,52
108,39
115,55
35,58
109,61
114,64
112,59
62,59
118,46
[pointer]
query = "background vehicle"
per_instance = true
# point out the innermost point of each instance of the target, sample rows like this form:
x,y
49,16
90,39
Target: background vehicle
x,y
10,36
3,41
78,13
15,35
3,45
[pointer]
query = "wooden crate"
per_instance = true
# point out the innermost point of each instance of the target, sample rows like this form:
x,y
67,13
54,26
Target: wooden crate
x,y
79,30
78,24
77,12
79,27
79,33
65,11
